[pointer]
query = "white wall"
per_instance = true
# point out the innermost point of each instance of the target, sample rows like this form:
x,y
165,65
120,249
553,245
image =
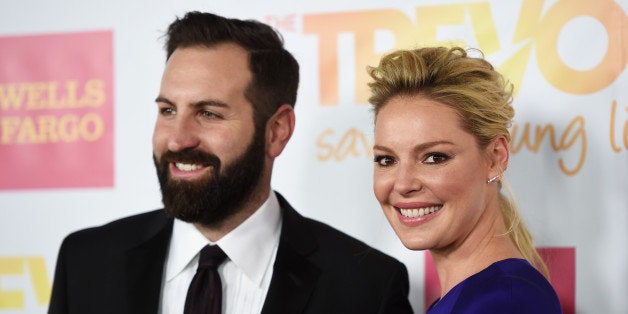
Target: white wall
x,y
586,210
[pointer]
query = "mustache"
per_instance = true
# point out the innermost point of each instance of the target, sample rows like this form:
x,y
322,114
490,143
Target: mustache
x,y
191,156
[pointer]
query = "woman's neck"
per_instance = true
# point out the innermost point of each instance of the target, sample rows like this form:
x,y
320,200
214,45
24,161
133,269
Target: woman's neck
x,y
485,245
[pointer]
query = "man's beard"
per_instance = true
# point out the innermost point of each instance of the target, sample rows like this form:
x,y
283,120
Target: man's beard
x,y
216,196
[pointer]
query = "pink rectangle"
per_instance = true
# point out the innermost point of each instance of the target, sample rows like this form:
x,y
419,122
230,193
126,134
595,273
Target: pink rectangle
x,y
561,263
56,111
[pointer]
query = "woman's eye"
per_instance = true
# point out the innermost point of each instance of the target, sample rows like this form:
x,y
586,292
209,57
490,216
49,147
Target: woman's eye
x,y
435,158
383,161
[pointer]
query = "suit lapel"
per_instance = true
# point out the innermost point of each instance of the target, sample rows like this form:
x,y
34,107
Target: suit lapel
x,y
144,267
294,276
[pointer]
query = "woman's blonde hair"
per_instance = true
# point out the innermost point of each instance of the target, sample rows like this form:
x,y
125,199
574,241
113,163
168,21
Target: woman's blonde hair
x,y
472,87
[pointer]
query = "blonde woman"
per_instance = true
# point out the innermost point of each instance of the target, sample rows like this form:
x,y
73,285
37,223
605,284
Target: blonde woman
x,y
441,149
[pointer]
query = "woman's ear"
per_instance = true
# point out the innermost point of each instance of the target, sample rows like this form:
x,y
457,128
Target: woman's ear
x,y
498,152
279,129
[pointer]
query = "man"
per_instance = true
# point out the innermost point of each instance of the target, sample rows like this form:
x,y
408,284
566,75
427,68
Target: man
x,y
225,112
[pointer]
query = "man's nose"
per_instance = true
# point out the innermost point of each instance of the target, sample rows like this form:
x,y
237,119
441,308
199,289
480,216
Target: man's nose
x,y
184,134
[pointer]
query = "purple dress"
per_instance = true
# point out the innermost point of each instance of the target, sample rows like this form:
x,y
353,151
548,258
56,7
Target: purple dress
x,y
508,286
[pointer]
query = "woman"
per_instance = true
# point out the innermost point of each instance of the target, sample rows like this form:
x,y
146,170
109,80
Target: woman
x,y
441,148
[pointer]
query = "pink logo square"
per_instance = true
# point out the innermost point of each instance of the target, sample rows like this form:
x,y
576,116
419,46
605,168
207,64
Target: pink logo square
x,y
56,111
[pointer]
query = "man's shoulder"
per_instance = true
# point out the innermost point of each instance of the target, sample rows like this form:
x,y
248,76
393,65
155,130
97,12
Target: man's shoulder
x,y
327,234
329,243
337,246
351,275
122,232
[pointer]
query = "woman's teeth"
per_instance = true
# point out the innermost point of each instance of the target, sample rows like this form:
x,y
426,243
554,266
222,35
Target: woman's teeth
x,y
418,212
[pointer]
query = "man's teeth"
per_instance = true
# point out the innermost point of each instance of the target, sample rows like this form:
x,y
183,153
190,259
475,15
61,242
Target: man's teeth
x,y
414,213
187,167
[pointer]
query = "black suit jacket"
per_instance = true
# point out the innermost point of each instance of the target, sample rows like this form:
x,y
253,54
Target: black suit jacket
x,y
118,268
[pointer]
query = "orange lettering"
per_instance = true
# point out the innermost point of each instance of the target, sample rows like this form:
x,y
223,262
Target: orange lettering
x,y
91,127
614,146
328,149
347,146
363,26
15,266
37,93
565,144
575,132
94,95
9,126
11,299
51,129
352,143
11,96
561,76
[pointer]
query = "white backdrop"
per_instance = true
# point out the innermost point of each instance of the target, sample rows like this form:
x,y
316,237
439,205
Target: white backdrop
x,y
567,59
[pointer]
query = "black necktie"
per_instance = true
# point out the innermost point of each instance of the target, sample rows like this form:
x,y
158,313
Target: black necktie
x,y
205,291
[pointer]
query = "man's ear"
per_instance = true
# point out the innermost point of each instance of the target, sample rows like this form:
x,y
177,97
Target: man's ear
x,y
279,129
498,152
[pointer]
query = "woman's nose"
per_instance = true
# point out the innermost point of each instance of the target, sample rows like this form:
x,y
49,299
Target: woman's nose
x,y
407,180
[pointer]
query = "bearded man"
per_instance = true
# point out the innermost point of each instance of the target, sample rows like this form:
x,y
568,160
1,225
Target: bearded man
x,y
225,112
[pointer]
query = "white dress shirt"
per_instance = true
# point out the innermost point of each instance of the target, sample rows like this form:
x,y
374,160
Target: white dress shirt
x,y
251,249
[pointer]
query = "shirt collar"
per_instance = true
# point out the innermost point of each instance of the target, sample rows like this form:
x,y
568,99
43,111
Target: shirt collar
x,y
250,246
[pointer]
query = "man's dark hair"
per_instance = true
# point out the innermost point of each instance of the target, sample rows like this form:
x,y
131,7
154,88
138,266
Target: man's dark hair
x,y
275,72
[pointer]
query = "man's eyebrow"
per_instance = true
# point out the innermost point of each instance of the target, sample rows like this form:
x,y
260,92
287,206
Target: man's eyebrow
x,y
163,100
201,103
211,103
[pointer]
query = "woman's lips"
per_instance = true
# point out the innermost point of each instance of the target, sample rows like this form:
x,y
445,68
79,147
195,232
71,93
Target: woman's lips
x,y
415,214
419,212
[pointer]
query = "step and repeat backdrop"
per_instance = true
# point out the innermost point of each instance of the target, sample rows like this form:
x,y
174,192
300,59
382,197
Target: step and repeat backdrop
x,y
78,80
